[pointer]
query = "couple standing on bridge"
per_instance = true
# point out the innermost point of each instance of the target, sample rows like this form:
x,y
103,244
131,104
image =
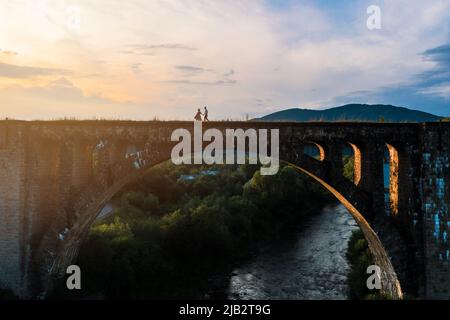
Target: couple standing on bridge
x,y
198,116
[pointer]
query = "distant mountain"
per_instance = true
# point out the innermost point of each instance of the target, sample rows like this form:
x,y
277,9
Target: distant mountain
x,y
353,112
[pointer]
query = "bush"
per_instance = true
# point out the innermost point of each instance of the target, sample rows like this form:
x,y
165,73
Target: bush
x,y
359,257
7,295
169,236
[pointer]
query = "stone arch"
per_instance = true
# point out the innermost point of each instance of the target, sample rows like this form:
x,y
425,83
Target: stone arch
x,y
390,282
70,250
318,146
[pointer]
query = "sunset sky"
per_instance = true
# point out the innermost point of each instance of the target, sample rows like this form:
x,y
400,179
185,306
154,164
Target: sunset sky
x,y
139,59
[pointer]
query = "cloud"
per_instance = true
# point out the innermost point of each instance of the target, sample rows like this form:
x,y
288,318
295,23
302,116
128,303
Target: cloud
x,y
440,54
150,49
162,46
137,53
194,71
8,52
190,69
439,76
229,73
15,71
61,82
136,68
203,83
427,91
61,98
58,90
64,90
238,56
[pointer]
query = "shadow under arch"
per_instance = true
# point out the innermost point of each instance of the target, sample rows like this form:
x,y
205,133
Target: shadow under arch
x,y
80,230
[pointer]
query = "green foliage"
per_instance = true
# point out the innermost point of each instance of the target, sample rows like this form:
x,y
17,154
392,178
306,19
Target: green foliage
x,y
349,168
168,235
360,258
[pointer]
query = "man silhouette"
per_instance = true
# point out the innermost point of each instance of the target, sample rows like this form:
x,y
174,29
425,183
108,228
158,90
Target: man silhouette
x,y
205,118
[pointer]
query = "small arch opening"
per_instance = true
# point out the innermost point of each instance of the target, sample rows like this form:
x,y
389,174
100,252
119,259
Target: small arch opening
x,y
351,158
390,178
314,150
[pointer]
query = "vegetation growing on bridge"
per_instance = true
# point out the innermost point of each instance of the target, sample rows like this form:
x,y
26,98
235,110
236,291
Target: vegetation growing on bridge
x,y
170,235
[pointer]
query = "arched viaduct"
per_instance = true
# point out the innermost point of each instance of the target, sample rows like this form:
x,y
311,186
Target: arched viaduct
x,y
56,176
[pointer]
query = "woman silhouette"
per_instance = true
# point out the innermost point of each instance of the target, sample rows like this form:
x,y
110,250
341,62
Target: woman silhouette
x,y
198,116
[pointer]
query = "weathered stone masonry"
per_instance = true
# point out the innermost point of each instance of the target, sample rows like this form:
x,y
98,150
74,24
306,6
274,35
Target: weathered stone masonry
x,y
56,176
435,194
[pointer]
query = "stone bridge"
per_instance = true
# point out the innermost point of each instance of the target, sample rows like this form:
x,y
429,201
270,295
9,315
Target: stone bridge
x,y
56,176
